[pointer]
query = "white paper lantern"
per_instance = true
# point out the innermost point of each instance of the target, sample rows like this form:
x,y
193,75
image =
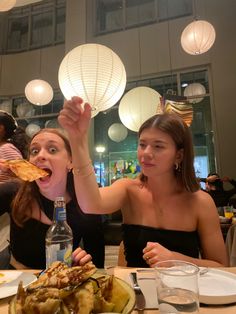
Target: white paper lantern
x,y
137,105
52,124
95,73
195,89
6,5
39,92
6,105
31,129
25,110
198,37
117,132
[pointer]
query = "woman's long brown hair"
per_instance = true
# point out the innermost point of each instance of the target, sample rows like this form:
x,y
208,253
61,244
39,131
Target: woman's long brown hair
x,y
178,130
28,195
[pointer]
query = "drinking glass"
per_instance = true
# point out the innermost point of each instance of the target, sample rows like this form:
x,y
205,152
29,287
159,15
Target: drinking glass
x,y
228,211
177,287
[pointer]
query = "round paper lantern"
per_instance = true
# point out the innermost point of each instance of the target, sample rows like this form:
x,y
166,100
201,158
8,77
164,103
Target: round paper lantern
x,y
195,89
137,105
31,129
39,92
95,73
25,110
6,105
198,37
52,124
6,5
117,132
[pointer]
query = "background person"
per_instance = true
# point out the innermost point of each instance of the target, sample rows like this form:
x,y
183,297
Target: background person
x,y
215,188
165,214
13,145
33,206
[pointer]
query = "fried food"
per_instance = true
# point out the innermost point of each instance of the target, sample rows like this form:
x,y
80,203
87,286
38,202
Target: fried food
x,y
71,290
25,170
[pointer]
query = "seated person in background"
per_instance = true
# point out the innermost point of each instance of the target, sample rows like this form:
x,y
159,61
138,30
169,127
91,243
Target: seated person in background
x,y
165,214
32,208
215,187
13,145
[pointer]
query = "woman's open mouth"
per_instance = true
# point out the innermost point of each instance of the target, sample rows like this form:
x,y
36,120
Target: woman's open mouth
x,y
49,171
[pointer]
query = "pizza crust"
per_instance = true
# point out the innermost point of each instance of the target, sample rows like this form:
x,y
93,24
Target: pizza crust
x,y
25,170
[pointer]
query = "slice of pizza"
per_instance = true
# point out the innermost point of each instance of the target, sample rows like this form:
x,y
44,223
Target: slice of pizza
x,y
25,170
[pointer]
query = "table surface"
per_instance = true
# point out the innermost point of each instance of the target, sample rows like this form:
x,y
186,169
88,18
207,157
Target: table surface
x,y
225,309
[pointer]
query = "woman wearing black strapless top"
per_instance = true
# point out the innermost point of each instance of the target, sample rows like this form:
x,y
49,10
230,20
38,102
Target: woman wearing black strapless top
x,y
165,214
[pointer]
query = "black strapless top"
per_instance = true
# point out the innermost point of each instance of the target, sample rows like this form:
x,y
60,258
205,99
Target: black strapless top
x,y
135,238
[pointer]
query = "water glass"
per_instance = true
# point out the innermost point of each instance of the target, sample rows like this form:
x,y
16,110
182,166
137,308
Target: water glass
x,y
177,287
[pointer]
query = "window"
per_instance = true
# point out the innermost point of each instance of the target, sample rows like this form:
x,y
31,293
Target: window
x,y
42,29
117,15
37,25
125,151
18,33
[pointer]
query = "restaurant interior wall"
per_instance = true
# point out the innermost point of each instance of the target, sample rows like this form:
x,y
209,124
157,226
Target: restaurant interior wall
x,y
153,59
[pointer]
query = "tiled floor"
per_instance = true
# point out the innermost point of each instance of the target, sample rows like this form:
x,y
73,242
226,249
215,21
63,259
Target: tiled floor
x,y
111,255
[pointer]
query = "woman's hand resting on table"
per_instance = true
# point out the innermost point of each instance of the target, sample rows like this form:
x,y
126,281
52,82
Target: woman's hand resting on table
x,y
80,257
154,253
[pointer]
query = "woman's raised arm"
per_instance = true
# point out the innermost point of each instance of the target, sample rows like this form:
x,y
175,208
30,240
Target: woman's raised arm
x,y
75,119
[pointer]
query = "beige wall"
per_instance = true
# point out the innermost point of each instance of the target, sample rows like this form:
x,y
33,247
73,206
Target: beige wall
x,y
18,69
221,59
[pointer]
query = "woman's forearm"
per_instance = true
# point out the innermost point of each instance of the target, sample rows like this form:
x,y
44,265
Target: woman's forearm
x,y
86,187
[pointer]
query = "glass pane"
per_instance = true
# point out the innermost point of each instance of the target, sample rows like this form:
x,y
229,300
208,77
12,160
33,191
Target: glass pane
x,y
140,12
109,15
18,33
60,24
175,8
42,29
165,85
202,133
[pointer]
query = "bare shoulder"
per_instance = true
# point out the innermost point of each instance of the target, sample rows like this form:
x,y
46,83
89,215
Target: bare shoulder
x,y
203,202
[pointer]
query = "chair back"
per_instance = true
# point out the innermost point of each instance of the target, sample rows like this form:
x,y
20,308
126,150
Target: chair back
x,y
230,243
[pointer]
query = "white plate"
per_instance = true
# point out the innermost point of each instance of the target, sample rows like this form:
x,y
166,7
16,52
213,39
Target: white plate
x,y
10,280
217,287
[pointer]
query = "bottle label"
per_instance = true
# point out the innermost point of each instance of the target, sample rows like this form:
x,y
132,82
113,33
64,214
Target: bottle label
x,y
54,253
60,214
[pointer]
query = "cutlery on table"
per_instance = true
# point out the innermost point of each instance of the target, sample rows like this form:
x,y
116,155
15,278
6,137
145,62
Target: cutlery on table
x,y
140,299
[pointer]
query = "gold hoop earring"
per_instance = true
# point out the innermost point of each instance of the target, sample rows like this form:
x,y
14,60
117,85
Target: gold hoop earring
x,y
176,166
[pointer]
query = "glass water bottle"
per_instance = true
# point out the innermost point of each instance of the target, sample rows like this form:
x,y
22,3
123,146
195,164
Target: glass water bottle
x,y
59,237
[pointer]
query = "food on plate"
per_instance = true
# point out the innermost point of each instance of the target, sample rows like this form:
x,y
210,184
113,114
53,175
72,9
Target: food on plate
x,y
25,170
67,290
2,280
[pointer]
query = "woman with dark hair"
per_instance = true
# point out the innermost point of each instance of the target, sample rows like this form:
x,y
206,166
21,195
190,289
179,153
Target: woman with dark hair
x,y
215,188
13,145
13,142
32,207
165,214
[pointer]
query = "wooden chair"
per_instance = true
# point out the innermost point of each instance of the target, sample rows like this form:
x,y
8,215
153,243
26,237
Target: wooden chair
x,y
230,243
121,255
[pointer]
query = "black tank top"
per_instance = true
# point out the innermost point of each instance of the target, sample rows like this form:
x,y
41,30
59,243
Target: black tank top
x,y
135,238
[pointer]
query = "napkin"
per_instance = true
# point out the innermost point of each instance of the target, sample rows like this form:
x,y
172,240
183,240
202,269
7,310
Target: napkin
x,y
146,281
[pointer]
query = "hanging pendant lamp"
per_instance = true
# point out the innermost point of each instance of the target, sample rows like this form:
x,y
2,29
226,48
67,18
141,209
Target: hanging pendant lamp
x,y
6,5
95,73
137,105
195,89
198,37
39,92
